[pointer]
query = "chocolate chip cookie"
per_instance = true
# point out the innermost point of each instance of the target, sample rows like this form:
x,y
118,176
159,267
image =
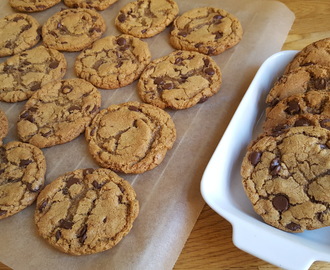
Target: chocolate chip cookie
x,y
3,125
113,61
73,29
32,5
146,18
86,211
132,137
207,30
95,4
58,112
316,53
301,80
18,32
308,109
179,80
22,175
286,177
23,74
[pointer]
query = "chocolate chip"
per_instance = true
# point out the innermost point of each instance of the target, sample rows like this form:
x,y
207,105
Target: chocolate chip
x,y
94,29
46,134
105,220
275,167
197,45
210,71
43,205
25,162
82,235
293,226
58,235
66,89
93,131
281,202
203,99
178,60
217,17
88,171
120,199
97,185
144,31
293,107
66,224
133,108
301,122
26,27
320,83
183,33
218,35
17,18
159,81
97,64
325,123
206,62
32,189
3,212
71,181
279,129
122,17
121,41
74,108
254,158
36,86
54,64
168,86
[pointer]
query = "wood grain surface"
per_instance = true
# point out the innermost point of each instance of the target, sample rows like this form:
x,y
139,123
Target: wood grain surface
x,y
210,243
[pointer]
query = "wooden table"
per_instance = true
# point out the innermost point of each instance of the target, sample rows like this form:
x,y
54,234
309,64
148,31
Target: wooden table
x,y
210,243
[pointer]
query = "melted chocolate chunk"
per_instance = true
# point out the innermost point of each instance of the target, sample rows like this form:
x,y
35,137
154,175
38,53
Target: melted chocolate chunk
x,y
71,181
25,162
302,122
293,107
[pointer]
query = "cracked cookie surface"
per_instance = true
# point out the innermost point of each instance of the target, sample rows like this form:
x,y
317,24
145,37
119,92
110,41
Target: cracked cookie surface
x,y
96,4
207,30
58,112
113,61
86,211
308,109
73,29
287,178
32,5
316,53
179,80
3,125
301,80
18,32
146,18
23,74
131,137
22,175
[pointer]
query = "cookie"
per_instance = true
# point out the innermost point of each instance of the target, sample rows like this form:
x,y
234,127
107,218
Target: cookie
x,y
113,61
301,80
18,32
316,53
73,29
58,112
3,125
207,30
131,137
32,5
287,178
22,175
179,80
308,109
95,4
86,211
146,18
23,74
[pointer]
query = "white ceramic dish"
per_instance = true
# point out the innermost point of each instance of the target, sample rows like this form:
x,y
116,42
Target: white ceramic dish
x,y
222,189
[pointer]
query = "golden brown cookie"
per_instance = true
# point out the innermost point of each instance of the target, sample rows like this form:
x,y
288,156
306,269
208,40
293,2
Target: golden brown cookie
x,y
22,175
18,32
23,74
146,18
207,30
58,112
316,53
132,137
113,61
3,125
286,177
179,80
32,5
95,4
86,211
73,29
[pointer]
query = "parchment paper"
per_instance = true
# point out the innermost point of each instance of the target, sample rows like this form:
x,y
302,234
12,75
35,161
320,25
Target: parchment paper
x,y
169,195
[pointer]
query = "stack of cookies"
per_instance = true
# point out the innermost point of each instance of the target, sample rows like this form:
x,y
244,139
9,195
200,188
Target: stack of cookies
x,y
87,210
285,171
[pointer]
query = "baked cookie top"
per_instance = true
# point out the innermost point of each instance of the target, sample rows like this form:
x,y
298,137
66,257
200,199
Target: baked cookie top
x,y
23,74
22,175
132,137
3,125
113,61
207,30
308,109
301,80
95,4
18,32
287,178
146,18
32,5
179,80
316,53
86,211
73,29
58,112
